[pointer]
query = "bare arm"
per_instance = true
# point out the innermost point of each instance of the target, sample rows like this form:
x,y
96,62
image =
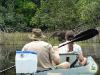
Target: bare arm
x,y
57,59
80,57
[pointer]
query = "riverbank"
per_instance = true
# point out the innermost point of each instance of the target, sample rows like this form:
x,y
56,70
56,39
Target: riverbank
x,y
22,38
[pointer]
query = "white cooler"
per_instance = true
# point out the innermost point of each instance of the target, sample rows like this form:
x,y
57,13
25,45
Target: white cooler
x,y
26,62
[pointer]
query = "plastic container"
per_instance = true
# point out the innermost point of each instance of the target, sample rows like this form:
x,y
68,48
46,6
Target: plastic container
x,y
26,62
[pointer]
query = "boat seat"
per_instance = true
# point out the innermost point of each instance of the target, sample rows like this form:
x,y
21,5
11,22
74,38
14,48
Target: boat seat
x,y
71,57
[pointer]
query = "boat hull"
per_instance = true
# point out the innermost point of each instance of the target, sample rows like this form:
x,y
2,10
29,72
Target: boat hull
x,y
84,70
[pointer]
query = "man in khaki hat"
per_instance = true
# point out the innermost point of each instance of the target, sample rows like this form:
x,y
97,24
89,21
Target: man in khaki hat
x,y
45,52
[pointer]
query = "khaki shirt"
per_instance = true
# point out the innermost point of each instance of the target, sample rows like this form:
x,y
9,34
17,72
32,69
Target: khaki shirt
x,y
44,51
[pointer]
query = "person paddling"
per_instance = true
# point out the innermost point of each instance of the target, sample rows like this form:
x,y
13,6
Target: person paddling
x,y
45,51
72,47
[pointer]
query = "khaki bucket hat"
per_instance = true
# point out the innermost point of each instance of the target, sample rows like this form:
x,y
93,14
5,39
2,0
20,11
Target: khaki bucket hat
x,y
36,34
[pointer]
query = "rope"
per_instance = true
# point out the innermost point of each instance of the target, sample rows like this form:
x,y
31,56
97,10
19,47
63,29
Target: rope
x,y
7,69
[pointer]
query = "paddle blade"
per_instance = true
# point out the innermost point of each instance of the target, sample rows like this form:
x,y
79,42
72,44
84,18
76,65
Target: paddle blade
x,y
85,35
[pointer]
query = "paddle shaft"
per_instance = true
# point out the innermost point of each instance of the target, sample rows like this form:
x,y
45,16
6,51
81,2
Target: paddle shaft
x,y
75,39
80,37
7,69
83,36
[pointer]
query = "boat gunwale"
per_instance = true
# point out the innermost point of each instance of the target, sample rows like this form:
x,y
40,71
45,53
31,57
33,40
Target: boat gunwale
x,y
68,54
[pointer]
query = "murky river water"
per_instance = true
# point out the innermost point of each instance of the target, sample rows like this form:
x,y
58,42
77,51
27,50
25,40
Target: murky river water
x,y
7,56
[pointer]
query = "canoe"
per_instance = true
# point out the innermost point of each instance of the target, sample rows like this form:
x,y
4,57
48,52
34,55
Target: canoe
x,y
90,69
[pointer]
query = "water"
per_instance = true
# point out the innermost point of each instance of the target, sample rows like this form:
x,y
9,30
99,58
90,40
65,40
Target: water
x,y
7,56
94,51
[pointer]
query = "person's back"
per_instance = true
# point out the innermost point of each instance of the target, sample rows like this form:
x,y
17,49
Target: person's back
x,y
65,49
45,52
72,47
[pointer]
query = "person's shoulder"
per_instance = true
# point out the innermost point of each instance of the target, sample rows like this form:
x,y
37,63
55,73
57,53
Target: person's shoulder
x,y
77,46
45,43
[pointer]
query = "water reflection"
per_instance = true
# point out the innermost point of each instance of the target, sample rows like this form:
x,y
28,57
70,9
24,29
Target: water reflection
x,y
94,51
7,56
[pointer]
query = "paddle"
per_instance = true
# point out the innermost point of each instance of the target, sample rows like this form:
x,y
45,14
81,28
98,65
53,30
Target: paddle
x,y
83,36
7,69
80,37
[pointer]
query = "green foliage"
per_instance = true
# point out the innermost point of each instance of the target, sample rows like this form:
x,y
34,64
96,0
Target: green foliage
x,y
11,20
55,14
67,14
15,21
88,12
17,3
28,9
37,2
